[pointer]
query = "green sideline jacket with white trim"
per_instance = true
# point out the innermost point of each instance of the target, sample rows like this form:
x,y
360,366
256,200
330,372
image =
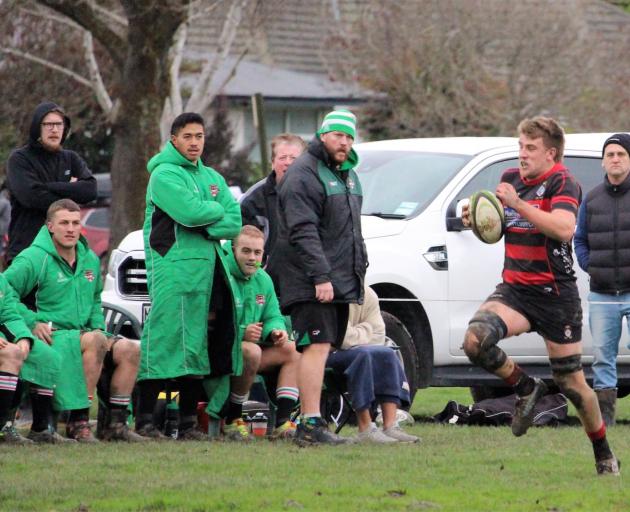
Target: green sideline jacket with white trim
x,y
69,298
189,210
320,238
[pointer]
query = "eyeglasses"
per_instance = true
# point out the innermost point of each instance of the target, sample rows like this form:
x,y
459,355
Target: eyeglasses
x,y
50,126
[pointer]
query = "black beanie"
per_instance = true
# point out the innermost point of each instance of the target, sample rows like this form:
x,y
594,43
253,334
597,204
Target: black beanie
x,y
623,139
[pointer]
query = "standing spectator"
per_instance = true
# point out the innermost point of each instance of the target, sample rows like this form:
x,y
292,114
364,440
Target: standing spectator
x,y
538,292
189,210
319,259
259,205
373,373
40,173
602,246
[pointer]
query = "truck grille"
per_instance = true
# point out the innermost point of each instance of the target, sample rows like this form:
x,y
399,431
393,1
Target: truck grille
x,y
132,278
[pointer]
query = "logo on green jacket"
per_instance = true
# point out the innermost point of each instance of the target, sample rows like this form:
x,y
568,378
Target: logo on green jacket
x,y
89,275
214,190
260,299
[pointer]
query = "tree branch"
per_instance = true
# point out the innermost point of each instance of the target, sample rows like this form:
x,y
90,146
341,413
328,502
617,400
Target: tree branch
x,y
198,99
102,96
83,13
48,64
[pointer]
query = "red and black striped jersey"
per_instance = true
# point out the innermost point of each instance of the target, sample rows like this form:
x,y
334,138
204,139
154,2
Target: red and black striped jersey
x,y
533,259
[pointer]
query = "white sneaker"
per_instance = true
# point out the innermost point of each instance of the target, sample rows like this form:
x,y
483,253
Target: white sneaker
x,y
395,432
375,436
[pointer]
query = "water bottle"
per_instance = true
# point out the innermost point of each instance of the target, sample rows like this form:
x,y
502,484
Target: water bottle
x,y
171,420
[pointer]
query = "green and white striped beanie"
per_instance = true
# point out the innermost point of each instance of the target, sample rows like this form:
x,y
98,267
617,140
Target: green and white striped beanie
x,y
339,121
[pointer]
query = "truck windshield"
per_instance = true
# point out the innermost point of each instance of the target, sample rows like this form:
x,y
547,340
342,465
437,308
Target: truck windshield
x,y
400,184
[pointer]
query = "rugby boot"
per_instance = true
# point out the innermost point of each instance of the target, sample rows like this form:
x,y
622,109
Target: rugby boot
x,y
191,434
610,466
309,434
524,410
118,430
10,435
149,430
238,430
48,436
285,431
80,431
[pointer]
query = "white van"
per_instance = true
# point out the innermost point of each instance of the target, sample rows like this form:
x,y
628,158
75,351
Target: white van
x,y
429,272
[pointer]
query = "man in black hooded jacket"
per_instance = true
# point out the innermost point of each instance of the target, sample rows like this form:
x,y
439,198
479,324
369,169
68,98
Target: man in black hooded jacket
x,y
40,173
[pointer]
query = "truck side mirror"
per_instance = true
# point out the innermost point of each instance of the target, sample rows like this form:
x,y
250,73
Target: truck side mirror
x,y
454,216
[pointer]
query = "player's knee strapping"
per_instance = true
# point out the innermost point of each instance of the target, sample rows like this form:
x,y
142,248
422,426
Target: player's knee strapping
x,y
489,329
561,369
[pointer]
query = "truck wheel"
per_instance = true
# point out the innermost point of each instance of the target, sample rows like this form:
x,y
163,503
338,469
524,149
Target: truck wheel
x,y
398,333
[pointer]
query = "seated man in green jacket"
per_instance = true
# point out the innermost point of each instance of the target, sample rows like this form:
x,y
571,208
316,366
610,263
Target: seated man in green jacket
x,y
58,281
262,329
27,358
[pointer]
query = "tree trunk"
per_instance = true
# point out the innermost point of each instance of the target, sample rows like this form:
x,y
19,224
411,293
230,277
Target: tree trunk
x,y
145,83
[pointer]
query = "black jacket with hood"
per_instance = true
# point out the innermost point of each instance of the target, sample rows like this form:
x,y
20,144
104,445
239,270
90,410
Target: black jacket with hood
x,y
259,207
37,177
319,236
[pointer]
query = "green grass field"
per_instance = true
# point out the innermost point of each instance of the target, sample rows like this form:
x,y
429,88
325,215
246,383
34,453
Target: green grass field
x,y
454,468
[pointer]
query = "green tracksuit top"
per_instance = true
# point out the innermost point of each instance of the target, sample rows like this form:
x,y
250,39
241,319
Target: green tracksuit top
x,y
41,367
189,210
255,299
69,298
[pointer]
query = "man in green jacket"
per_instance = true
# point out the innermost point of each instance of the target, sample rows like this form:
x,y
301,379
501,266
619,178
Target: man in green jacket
x,y
58,281
25,357
189,210
262,330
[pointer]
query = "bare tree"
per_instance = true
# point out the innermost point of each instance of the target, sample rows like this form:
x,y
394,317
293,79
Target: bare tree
x,y
137,84
456,67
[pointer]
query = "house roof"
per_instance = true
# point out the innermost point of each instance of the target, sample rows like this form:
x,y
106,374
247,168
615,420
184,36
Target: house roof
x,y
274,82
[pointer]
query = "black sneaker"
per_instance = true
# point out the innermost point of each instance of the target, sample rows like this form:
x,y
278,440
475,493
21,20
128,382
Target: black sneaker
x,y
608,466
308,434
524,411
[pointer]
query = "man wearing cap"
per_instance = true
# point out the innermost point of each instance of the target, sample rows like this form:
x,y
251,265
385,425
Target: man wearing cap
x,y
602,245
320,258
40,173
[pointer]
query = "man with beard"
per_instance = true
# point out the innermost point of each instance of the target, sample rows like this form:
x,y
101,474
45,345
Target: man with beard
x,y
319,260
40,173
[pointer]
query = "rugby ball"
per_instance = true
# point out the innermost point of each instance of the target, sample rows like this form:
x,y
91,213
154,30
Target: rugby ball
x,y
487,217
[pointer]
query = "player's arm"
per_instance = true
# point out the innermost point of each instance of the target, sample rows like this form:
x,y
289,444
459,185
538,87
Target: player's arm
x,y
558,224
22,278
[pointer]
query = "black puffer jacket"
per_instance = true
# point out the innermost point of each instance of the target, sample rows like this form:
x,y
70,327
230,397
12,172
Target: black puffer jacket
x,y
319,236
37,178
607,211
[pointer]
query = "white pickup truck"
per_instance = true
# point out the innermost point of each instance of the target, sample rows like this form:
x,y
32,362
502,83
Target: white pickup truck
x,y
428,270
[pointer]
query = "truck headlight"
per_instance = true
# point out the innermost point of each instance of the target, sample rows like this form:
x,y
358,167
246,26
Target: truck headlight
x,y
114,260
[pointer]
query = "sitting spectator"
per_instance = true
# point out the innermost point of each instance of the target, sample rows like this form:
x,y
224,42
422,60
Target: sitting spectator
x,y
373,373
35,362
262,329
58,280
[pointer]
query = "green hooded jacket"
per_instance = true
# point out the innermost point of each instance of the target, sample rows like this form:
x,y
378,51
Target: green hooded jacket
x,y
69,298
41,367
189,210
255,299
